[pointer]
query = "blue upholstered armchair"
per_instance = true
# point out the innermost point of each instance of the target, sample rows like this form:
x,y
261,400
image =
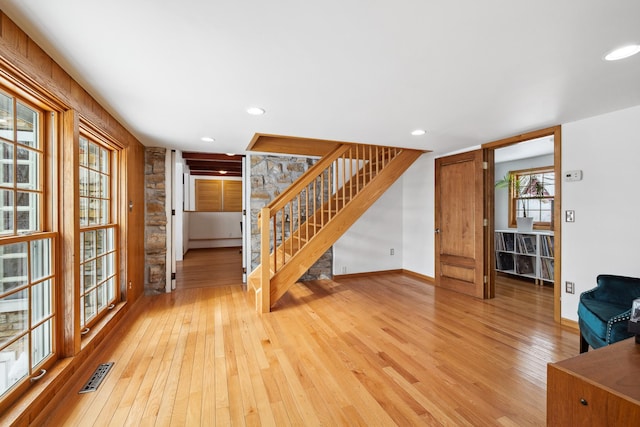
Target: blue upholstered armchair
x,y
604,311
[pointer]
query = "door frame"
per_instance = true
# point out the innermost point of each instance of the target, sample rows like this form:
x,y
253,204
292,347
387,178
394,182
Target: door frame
x,y
489,149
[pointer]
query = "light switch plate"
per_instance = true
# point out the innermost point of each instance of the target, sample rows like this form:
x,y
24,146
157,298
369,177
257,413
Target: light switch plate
x,y
570,287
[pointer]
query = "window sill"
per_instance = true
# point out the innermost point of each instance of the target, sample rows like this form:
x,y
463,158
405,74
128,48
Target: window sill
x,y
41,398
102,328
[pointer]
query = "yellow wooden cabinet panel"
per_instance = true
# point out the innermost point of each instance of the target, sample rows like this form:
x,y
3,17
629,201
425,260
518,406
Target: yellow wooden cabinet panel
x,y
208,195
216,195
232,196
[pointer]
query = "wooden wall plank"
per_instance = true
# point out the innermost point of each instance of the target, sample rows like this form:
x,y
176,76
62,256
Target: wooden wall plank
x,y
135,221
18,51
39,58
16,38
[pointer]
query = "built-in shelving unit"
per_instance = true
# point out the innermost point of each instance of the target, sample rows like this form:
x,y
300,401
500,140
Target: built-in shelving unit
x,y
525,253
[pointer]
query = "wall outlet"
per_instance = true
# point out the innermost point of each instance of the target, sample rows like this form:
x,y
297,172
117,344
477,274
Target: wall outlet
x,y
570,216
570,287
391,251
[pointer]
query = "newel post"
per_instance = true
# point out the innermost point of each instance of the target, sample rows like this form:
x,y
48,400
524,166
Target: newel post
x,y
265,273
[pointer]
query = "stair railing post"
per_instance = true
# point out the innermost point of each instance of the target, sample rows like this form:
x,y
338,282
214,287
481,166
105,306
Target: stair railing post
x,y
265,276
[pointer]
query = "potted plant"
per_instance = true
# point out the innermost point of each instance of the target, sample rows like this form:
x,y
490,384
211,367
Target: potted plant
x,y
525,185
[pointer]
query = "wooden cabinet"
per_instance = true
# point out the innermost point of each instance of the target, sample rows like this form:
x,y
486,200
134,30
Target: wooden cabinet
x,y
218,195
598,388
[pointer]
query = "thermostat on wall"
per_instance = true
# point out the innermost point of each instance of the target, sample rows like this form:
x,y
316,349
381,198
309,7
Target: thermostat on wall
x,y
573,175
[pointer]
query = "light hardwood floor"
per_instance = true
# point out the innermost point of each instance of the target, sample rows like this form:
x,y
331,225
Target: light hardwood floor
x,y
209,267
378,351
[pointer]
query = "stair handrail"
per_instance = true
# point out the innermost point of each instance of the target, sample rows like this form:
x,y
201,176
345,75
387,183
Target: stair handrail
x,y
307,178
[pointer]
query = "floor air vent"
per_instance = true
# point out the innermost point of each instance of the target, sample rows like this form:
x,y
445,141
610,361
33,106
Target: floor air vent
x,y
96,378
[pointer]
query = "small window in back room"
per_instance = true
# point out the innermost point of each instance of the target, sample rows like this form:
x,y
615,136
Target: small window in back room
x,y
531,195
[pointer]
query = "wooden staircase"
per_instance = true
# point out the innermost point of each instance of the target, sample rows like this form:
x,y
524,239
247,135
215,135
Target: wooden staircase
x,y
303,222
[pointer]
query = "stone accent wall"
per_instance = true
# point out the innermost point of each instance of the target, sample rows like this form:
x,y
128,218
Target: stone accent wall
x,y
155,229
12,323
270,176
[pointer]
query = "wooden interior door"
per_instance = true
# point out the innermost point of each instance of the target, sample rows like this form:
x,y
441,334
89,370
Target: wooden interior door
x,y
459,223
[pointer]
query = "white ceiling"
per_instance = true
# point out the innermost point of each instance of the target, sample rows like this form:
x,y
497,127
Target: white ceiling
x,y
370,71
523,150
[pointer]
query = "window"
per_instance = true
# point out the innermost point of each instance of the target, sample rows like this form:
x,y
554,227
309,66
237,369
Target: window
x,y
98,254
27,250
532,195
21,188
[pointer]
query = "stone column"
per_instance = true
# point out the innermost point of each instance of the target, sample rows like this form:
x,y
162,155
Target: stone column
x,y
155,230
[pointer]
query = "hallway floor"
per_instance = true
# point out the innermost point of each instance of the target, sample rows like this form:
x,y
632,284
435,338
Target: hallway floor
x,y
209,267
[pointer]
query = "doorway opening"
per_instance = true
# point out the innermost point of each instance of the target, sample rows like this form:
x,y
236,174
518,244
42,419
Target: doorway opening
x,y
526,184
209,216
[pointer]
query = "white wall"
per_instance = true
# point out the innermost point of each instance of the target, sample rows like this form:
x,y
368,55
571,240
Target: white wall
x,y
211,229
185,215
365,247
178,196
502,194
418,216
170,255
605,235
214,229
402,219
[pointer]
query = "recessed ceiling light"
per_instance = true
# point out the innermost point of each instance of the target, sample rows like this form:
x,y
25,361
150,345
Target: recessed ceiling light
x,y
256,111
207,139
418,132
622,52
230,154
222,172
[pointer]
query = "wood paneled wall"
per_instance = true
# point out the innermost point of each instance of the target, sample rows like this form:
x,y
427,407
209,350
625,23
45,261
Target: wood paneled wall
x,y
31,72
135,239
23,60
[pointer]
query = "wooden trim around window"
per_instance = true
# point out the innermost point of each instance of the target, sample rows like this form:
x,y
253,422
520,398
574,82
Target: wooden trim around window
x,y
70,222
513,201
